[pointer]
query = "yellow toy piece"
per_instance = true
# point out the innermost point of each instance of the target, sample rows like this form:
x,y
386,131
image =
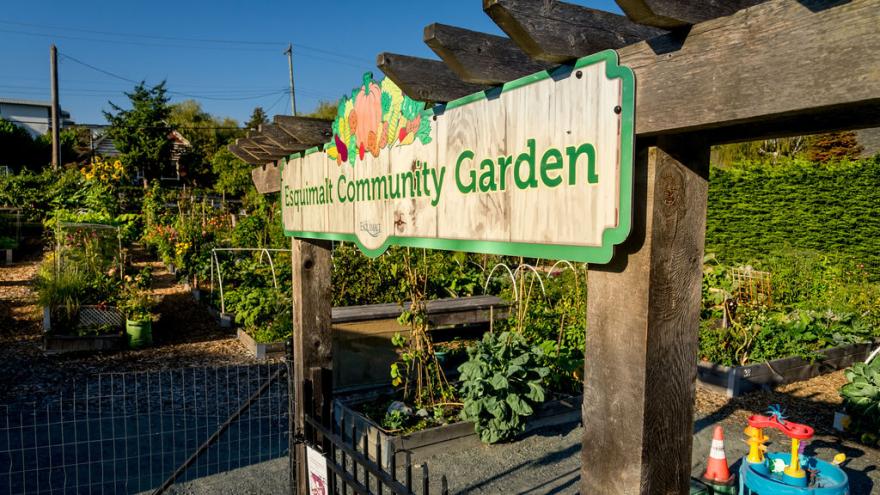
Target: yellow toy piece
x,y
839,459
794,469
756,440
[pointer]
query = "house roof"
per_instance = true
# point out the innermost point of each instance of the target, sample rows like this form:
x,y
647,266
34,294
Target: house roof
x,y
32,103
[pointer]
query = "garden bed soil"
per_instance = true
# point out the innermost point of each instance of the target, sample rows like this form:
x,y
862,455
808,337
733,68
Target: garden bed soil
x,y
431,441
735,381
259,350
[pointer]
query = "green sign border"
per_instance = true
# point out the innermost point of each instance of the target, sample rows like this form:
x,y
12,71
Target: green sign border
x,y
589,254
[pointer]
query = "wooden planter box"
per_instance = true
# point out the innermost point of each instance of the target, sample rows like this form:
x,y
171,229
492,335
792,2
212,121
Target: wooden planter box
x,y
738,380
363,352
61,344
425,443
258,350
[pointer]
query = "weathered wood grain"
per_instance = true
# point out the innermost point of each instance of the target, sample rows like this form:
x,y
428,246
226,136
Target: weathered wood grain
x,y
558,32
254,150
243,154
266,144
308,131
643,316
267,178
678,13
312,342
423,79
804,59
280,138
480,58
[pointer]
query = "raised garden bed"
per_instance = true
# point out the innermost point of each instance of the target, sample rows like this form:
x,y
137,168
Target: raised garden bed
x,y
738,380
362,335
260,350
425,443
61,344
89,316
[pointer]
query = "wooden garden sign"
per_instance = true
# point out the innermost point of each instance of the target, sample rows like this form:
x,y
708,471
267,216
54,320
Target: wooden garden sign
x,y
541,167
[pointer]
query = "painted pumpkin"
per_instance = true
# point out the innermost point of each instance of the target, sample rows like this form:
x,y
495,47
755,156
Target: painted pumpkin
x,y
368,106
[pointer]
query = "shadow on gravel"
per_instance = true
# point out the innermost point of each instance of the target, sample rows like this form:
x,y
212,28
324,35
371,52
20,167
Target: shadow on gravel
x,y
551,458
859,481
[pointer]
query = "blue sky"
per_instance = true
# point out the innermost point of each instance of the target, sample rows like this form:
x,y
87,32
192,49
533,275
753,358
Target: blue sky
x,y
237,64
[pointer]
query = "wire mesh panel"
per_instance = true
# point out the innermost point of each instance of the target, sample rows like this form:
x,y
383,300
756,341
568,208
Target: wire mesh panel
x,y
127,432
752,286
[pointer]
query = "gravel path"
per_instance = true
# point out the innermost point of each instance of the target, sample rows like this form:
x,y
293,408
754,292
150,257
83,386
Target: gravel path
x,y
548,461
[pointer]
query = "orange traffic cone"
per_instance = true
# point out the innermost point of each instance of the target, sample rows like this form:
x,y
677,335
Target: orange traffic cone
x,y
716,469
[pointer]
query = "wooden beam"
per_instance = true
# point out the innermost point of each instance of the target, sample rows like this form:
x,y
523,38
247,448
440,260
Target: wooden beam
x,y
256,151
267,178
243,154
425,80
280,138
312,342
267,145
307,131
480,58
559,32
678,13
643,314
735,72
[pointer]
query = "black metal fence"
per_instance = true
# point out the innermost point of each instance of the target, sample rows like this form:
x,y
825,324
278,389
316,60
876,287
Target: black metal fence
x,y
353,464
129,432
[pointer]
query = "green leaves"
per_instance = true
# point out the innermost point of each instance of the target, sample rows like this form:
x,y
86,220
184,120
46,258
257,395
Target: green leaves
x,y
861,399
501,383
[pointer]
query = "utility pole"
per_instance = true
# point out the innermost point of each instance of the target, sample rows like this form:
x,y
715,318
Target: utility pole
x,y
56,110
289,53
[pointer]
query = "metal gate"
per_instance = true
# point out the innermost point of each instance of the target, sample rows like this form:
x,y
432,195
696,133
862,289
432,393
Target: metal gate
x,y
137,432
350,466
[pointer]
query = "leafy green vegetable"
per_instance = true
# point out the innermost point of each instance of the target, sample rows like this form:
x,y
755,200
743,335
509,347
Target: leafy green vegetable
x,y
501,383
861,398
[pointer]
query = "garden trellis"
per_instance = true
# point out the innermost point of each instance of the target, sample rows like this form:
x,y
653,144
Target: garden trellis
x,y
95,246
706,73
264,252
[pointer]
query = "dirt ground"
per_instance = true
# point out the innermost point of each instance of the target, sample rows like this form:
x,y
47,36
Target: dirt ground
x,y
185,335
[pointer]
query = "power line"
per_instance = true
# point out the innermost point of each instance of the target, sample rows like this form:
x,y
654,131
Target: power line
x,y
127,40
180,93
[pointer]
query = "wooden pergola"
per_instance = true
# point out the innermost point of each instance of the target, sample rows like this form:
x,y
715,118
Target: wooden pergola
x,y
707,72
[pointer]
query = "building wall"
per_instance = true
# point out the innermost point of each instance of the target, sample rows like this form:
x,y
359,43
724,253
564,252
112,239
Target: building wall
x,y
36,119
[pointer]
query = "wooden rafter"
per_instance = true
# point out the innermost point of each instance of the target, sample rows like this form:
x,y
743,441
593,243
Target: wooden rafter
x,y
677,13
480,58
734,72
280,138
257,151
424,79
306,131
559,32
243,154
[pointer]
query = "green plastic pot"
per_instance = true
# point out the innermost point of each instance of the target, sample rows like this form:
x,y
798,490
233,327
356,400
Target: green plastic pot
x,y
140,333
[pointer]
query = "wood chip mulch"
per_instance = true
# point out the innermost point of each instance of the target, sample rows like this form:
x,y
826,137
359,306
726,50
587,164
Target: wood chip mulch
x,y
185,335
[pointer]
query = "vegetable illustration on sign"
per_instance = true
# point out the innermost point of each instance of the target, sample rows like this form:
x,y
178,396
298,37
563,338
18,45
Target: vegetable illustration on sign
x,y
377,116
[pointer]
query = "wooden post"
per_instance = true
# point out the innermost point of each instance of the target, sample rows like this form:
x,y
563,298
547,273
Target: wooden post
x,y
643,330
312,344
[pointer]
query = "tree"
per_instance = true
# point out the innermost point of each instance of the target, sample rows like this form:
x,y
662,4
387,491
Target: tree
x,y
833,146
257,118
206,133
326,110
19,150
233,174
141,132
